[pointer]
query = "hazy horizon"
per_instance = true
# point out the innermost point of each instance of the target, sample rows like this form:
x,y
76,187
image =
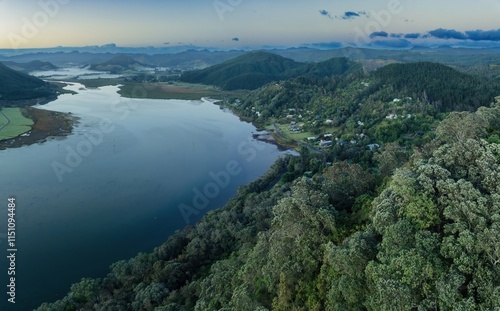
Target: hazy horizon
x,y
239,24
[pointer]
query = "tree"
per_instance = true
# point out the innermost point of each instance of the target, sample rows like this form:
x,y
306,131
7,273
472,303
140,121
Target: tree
x,y
344,182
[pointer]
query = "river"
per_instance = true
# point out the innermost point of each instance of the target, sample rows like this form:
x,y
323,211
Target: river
x,y
113,187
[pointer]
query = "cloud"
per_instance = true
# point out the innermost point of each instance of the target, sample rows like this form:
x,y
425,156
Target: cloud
x,y
396,35
447,34
346,16
235,39
351,14
474,35
412,35
325,13
379,34
483,35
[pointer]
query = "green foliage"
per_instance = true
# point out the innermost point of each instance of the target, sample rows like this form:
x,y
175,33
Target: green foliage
x,y
255,69
445,88
28,67
15,86
13,123
372,235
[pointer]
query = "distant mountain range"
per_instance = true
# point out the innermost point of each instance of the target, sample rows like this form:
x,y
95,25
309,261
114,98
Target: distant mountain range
x,y
18,86
255,69
202,58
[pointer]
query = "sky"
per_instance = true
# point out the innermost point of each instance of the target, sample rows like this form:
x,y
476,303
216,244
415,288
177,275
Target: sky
x,y
229,24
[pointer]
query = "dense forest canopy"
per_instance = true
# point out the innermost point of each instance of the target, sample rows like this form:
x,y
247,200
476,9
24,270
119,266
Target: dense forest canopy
x,y
255,69
412,225
15,86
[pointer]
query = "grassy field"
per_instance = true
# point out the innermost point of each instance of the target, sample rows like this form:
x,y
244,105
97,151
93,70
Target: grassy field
x,y
162,90
175,90
18,123
285,131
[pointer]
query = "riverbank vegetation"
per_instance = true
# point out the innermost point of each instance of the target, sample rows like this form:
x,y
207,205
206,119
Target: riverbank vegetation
x,y
399,212
43,124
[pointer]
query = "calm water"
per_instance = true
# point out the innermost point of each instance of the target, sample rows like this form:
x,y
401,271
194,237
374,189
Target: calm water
x,y
73,73
113,188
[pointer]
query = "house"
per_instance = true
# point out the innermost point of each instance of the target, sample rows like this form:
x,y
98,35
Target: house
x,y
396,100
325,143
329,121
373,146
328,135
311,138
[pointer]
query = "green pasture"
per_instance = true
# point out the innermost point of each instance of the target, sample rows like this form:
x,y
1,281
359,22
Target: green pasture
x,y
18,124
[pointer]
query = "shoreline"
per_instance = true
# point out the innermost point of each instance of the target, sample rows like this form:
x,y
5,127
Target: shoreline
x,y
266,136
46,124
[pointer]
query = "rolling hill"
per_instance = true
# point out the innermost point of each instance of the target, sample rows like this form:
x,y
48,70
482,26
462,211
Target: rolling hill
x,y
119,63
17,86
255,69
444,87
35,65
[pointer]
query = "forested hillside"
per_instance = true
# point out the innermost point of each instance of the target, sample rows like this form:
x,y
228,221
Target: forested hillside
x,y
30,66
401,103
117,64
255,69
426,237
412,225
441,85
15,86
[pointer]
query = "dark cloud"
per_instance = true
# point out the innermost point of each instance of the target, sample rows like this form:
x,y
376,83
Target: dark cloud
x,y
447,34
379,34
396,35
412,35
474,35
324,12
483,35
351,15
235,39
